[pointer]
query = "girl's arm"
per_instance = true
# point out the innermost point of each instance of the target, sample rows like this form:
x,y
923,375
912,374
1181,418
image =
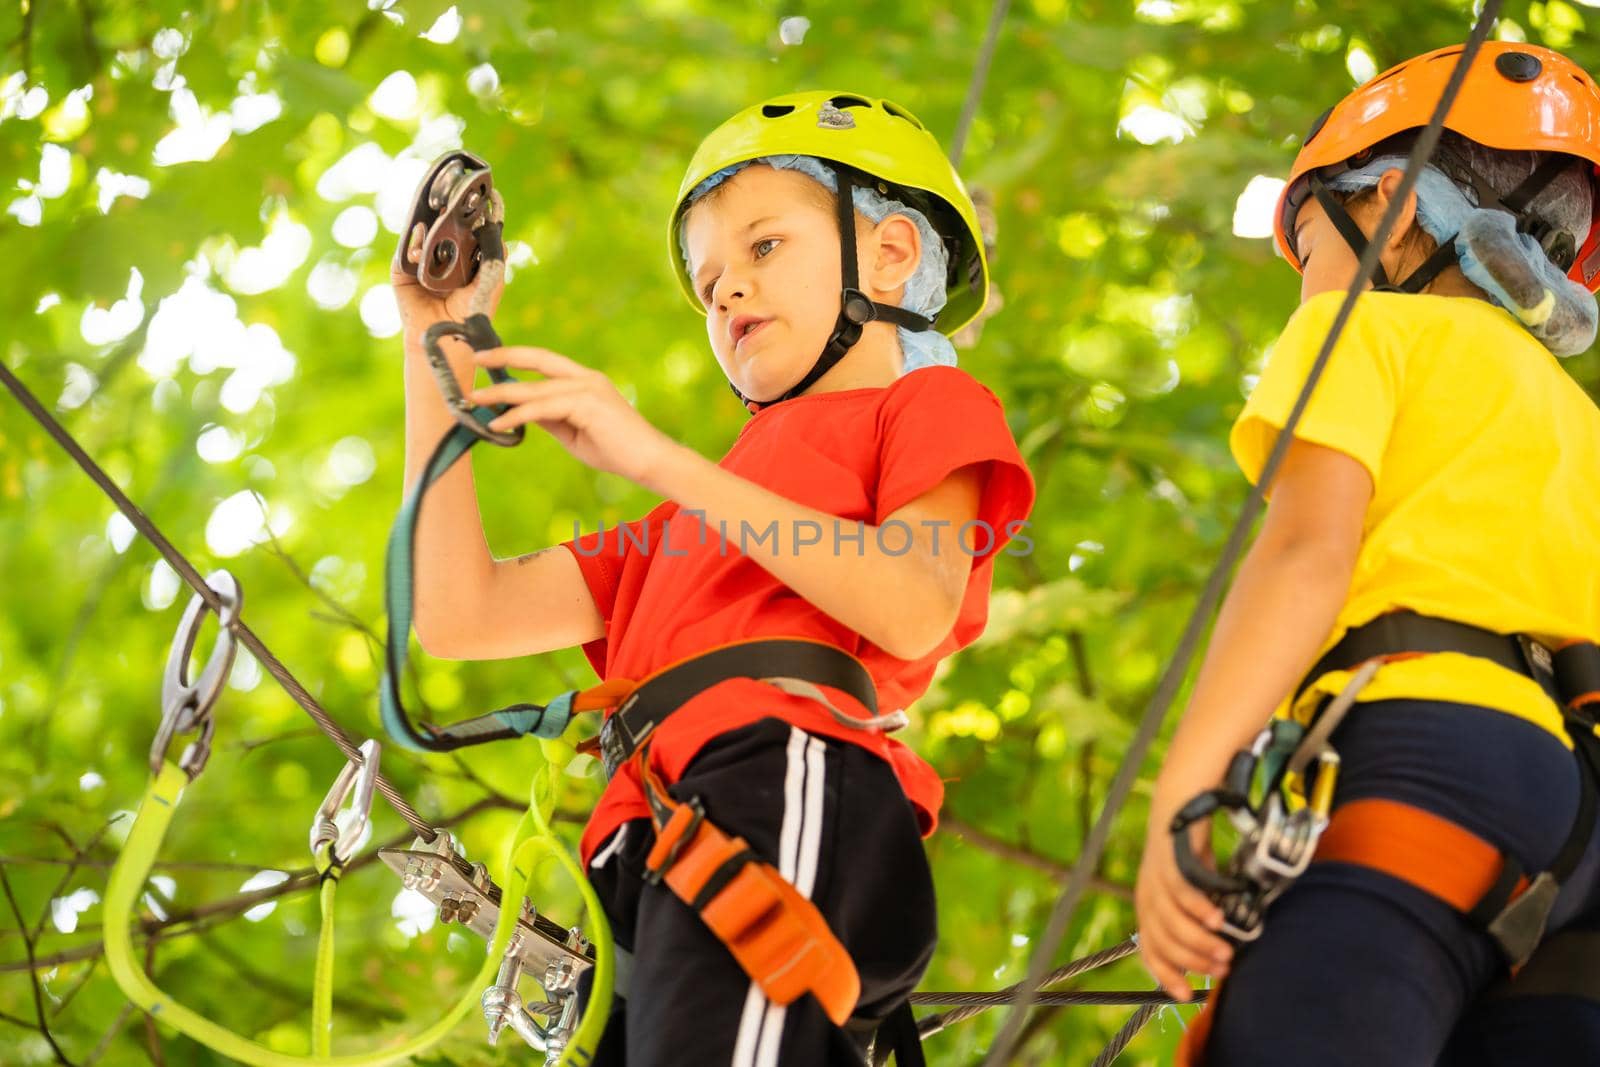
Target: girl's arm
x,y
1282,606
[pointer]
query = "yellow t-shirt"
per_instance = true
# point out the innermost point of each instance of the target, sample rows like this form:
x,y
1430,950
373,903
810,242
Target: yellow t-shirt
x,y
1485,462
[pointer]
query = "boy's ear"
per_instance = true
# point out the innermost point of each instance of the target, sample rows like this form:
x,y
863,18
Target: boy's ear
x,y
897,249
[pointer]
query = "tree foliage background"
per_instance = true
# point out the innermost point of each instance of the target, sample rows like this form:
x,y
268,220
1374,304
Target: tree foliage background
x,y
200,204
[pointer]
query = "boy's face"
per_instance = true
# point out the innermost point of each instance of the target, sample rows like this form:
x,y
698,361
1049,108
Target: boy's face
x,y
764,257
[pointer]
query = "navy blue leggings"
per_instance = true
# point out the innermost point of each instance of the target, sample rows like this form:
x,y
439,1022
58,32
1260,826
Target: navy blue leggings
x,y
1357,969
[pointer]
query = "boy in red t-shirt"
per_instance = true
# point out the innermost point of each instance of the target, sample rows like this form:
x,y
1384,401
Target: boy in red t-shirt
x,y
856,518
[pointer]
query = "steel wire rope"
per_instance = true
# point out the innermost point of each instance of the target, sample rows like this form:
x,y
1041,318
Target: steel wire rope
x,y
982,1002
1124,1037
980,78
1177,669
186,570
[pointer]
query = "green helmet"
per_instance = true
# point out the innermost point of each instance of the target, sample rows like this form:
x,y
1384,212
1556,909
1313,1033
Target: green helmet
x,y
878,138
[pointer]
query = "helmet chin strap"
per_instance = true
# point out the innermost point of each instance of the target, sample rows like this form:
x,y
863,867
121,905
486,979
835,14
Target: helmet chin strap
x,y
1514,203
856,309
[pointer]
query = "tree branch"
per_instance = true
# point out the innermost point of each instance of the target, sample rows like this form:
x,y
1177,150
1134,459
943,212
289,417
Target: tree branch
x,y
33,973
109,1036
1027,857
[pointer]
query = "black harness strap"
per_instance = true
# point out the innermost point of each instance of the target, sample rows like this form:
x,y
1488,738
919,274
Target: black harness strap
x,y
658,697
1564,966
898,1036
1515,203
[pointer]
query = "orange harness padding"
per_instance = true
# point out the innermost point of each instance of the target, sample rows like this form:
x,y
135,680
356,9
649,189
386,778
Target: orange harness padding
x,y
1417,847
778,937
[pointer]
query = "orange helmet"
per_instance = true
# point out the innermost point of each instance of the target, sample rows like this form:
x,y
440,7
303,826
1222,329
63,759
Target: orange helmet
x,y
1515,97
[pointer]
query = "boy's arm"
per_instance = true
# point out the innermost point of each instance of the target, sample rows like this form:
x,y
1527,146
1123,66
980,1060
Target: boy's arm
x,y
1282,606
903,602
470,605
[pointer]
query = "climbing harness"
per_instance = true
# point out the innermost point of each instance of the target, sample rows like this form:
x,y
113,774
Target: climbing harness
x,y
1276,841
1172,677
777,936
1487,885
335,833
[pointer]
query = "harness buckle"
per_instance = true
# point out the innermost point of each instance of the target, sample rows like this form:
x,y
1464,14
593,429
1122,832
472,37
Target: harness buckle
x,y
1520,926
673,838
618,742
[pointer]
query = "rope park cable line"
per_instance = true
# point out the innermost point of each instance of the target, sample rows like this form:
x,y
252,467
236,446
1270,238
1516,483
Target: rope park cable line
x,y
1027,993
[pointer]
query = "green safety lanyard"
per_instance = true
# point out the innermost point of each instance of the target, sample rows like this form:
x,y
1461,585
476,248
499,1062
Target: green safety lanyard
x,y
132,868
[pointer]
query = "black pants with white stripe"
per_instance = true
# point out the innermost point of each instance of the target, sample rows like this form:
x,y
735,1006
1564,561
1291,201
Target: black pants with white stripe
x,y
833,820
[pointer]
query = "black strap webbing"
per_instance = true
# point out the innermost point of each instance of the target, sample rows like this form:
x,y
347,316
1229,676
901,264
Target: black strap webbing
x,y
898,1035
1407,631
658,697
726,871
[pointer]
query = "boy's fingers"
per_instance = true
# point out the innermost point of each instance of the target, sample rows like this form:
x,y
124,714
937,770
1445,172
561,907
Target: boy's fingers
x,y
1195,904
545,409
524,357
520,392
1189,918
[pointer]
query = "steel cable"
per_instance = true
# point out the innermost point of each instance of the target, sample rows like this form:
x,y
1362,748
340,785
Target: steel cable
x,y
186,570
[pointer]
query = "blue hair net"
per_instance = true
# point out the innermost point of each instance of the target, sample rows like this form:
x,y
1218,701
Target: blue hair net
x,y
1509,266
924,290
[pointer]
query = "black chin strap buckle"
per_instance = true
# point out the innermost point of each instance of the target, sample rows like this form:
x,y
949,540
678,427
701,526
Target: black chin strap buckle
x,y
857,308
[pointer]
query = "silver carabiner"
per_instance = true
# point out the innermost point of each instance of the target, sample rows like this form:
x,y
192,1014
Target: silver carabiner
x,y
186,705
358,777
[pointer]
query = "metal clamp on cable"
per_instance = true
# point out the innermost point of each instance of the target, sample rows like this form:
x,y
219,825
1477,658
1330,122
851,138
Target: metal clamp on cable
x,y
344,828
186,705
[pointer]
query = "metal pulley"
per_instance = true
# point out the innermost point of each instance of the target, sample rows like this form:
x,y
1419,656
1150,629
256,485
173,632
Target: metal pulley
x,y
554,955
452,202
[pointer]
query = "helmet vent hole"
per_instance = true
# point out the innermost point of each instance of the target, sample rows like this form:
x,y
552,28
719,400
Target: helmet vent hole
x,y
842,102
900,112
776,111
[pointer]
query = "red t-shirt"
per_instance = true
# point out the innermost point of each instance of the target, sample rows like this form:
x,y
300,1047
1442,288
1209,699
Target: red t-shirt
x,y
669,587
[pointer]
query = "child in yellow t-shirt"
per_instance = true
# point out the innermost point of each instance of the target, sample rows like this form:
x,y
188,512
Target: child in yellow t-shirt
x,y
1441,495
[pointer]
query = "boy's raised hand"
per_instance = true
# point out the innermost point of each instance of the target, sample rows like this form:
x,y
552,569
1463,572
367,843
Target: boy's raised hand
x,y
579,406
420,308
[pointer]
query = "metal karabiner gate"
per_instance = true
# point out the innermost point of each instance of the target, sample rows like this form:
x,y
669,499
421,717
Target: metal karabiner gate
x,y
186,705
1276,843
